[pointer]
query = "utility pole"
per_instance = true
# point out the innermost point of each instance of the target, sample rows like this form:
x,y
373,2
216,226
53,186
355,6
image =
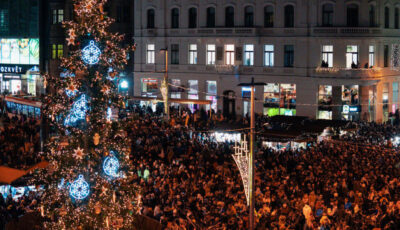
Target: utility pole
x,y
252,199
165,85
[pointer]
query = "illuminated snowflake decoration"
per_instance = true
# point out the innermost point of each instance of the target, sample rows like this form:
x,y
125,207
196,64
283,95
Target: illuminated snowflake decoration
x,y
91,53
241,157
111,166
79,188
109,114
70,93
77,112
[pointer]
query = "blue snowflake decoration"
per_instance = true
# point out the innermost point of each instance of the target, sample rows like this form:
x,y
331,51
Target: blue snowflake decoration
x,y
79,188
91,54
111,166
77,112
70,93
109,113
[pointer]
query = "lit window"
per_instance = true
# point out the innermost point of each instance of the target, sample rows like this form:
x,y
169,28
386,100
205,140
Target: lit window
x,y
211,54
327,56
352,57
230,54
57,51
248,55
269,55
150,54
58,16
192,54
371,56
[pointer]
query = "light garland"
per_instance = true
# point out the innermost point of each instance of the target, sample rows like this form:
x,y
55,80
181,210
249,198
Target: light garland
x,y
241,157
79,188
91,53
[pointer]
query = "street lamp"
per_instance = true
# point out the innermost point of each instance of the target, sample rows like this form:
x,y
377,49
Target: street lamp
x,y
252,84
165,85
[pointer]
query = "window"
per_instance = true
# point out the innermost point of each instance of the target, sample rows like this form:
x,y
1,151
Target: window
x,y
352,15
269,55
192,17
327,15
193,93
385,101
387,16
386,56
175,90
352,56
192,54
211,95
248,55
57,51
269,16
395,99
175,18
58,16
327,56
325,102
150,54
371,56
4,21
372,22
289,56
210,17
279,99
289,16
396,18
230,54
229,16
175,54
211,54
248,16
150,19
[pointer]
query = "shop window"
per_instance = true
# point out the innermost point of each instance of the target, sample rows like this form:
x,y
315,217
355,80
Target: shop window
x,y
385,101
248,55
149,87
211,17
193,93
192,54
269,55
289,16
175,18
230,54
325,102
57,51
150,19
327,15
150,54
210,54
395,99
248,16
175,54
350,95
352,15
280,99
352,57
192,17
371,57
387,17
175,90
58,16
288,56
327,56
372,16
269,16
229,16
211,95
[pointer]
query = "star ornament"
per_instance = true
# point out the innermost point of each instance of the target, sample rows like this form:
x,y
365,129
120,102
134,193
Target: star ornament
x,y
71,87
71,41
78,153
105,89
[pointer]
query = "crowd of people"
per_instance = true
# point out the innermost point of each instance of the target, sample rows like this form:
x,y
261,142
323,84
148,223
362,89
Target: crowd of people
x,y
19,141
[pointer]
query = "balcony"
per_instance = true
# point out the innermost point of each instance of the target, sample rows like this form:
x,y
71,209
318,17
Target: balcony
x,y
354,31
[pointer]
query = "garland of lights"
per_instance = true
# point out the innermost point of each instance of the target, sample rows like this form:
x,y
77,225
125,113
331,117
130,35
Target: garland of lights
x,y
91,54
79,188
241,157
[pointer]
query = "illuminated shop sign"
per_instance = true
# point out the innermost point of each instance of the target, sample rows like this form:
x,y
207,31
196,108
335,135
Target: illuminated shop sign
x,y
20,69
19,51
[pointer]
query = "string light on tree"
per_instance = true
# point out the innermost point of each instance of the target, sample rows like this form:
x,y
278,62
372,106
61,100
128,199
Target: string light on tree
x,y
79,188
91,53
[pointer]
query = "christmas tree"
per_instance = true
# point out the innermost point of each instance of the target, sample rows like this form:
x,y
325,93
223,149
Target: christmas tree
x,y
87,184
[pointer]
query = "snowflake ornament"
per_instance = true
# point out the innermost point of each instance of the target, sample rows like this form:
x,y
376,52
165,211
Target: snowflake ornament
x,y
79,188
91,54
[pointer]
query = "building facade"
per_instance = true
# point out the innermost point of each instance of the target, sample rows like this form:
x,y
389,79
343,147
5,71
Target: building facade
x,y
20,46
319,58
58,11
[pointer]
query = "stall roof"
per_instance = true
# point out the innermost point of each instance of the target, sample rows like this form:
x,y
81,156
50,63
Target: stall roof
x,y
174,100
10,175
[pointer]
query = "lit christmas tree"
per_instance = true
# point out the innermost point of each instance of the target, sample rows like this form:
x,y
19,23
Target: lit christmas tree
x,y
87,184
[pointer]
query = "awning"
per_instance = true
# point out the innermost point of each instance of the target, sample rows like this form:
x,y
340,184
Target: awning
x,y
173,100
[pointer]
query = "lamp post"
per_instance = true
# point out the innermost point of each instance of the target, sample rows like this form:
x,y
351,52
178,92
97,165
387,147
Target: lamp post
x,y
252,200
165,84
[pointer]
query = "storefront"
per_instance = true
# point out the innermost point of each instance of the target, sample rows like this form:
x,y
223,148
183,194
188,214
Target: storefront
x,y
350,100
150,87
280,99
325,102
19,71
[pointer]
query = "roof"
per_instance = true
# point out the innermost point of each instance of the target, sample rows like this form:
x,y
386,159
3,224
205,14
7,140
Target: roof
x,y
173,100
10,175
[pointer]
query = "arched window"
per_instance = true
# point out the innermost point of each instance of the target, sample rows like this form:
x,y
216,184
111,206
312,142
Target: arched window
x,y
387,16
248,16
396,18
229,16
175,18
352,15
192,17
327,15
210,17
269,16
289,16
372,16
150,19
